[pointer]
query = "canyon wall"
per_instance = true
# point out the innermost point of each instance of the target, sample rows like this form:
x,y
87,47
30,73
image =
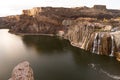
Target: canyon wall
x,y
94,29
94,37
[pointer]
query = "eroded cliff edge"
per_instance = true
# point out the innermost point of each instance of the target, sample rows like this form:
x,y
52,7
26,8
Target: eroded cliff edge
x,y
95,29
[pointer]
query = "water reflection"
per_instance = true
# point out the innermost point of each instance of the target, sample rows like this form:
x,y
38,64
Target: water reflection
x,y
96,67
10,42
10,50
45,44
54,59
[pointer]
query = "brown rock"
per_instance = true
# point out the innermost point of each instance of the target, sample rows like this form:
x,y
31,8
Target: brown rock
x,y
105,44
22,71
117,54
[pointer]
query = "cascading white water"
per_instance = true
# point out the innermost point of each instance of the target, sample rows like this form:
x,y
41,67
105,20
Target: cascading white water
x,y
98,44
112,46
95,43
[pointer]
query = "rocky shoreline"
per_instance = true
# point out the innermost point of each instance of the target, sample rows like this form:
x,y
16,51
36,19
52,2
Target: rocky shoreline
x,y
95,29
23,34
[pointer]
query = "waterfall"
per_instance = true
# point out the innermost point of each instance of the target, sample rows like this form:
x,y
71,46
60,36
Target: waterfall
x,y
95,42
112,46
99,41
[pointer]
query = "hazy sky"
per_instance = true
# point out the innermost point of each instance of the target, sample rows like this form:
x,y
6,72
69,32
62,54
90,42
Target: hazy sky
x,y
9,7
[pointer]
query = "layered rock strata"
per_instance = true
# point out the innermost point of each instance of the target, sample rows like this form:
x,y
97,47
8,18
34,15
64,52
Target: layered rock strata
x,y
94,37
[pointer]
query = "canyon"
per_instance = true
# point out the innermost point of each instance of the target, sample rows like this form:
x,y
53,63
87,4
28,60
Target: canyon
x,y
95,29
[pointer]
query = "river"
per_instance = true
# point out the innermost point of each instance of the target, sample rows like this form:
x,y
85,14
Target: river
x,y
53,58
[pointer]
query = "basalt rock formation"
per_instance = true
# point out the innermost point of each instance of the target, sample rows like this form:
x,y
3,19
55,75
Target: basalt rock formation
x,y
95,29
94,37
22,71
9,21
51,20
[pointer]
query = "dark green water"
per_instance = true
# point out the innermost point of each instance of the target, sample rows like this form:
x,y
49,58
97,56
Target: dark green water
x,y
53,58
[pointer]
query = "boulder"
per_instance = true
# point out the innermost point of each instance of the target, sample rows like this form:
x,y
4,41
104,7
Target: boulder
x,y
22,71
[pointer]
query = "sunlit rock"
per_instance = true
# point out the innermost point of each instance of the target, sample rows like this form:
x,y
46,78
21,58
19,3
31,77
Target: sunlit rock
x,y
91,37
107,28
22,71
117,39
67,22
117,54
61,33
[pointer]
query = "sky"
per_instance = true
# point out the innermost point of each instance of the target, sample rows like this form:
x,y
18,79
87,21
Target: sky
x,y
12,7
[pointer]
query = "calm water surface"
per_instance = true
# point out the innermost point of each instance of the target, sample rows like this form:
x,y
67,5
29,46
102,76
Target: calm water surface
x,y
53,58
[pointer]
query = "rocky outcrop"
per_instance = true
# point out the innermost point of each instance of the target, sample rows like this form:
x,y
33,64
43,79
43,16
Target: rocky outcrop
x,y
102,7
22,71
98,11
51,20
95,37
89,36
9,21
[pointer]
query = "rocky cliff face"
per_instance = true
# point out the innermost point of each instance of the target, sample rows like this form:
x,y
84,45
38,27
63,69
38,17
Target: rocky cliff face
x,y
36,19
9,21
33,22
94,36
93,29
